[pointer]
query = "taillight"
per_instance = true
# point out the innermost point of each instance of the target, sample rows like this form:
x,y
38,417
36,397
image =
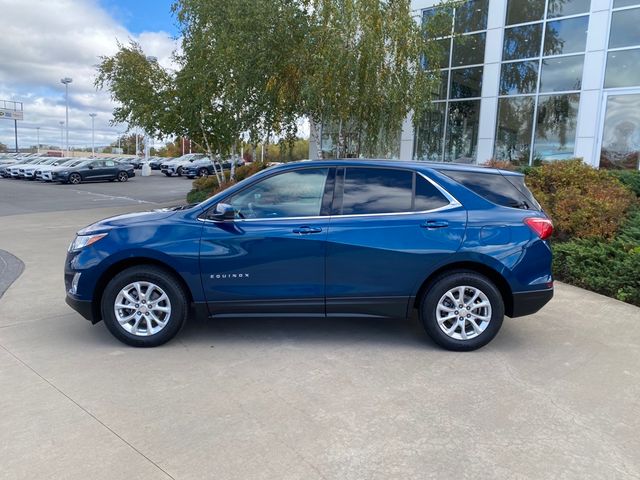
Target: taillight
x,y
543,227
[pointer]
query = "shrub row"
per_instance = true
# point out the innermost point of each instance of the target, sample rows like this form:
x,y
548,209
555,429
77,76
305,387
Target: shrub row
x,y
611,268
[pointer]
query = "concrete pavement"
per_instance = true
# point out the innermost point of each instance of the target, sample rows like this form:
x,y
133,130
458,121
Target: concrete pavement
x,y
555,395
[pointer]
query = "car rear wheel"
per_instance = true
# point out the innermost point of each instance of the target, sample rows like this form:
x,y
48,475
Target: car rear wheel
x,y
123,176
144,306
75,179
462,311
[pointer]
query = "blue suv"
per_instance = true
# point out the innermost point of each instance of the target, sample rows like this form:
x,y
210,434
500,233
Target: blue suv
x,y
464,245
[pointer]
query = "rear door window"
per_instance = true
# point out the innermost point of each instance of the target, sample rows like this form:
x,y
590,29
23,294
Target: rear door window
x,y
428,197
377,190
496,188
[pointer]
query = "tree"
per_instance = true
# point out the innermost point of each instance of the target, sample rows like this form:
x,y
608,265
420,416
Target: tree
x,y
252,68
3,147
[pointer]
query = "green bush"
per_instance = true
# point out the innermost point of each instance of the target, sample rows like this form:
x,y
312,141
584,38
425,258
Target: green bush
x,y
629,178
611,268
206,187
583,202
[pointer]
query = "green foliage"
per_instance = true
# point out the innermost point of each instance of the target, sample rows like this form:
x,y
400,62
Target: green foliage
x,y
611,268
583,202
629,178
206,187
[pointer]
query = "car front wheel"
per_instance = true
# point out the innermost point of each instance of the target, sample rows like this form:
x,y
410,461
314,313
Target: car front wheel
x,y
75,179
144,306
203,172
123,177
462,311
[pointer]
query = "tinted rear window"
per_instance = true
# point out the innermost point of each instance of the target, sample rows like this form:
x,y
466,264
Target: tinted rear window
x,y
497,188
377,190
387,190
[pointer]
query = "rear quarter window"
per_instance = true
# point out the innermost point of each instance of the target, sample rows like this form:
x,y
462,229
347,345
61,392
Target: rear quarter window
x,y
496,188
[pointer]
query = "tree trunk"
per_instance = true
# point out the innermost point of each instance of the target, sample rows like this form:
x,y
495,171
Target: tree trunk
x,y
219,176
315,136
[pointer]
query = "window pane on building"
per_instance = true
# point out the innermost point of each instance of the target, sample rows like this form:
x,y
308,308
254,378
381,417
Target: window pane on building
x,y
556,126
566,36
466,82
522,42
522,11
625,28
438,56
622,69
468,50
471,16
563,8
625,3
621,135
513,135
439,90
519,77
462,131
561,74
430,133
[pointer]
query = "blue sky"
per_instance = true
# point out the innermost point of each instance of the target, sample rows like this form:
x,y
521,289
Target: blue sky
x,y
142,15
45,40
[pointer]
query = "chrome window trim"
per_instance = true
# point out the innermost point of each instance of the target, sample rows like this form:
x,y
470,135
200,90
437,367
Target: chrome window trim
x,y
453,203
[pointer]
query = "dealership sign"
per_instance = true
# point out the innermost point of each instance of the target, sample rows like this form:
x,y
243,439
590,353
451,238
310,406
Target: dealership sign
x,y
11,114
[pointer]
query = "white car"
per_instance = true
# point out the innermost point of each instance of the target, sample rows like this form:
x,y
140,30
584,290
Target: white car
x,y
40,169
174,167
14,170
47,173
29,171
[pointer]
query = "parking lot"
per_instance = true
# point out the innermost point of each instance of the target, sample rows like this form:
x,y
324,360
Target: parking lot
x,y
25,196
555,395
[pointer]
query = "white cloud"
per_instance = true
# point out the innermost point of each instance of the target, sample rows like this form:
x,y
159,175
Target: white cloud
x,y
45,40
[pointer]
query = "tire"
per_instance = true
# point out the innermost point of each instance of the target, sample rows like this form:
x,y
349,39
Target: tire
x,y
168,174
74,179
444,325
179,171
137,334
203,172
123,177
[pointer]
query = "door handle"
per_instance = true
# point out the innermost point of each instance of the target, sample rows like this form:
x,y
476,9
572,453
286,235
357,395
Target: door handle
x,y
306,229
430,224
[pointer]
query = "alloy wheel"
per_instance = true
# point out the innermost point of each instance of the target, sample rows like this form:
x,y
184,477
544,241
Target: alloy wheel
x,y
142,308
463,312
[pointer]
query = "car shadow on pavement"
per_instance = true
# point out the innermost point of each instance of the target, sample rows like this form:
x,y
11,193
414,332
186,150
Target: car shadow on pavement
x,y
395,331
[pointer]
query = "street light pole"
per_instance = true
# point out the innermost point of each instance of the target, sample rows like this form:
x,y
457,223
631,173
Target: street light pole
x,y
93,134
38,139
61,136
66,81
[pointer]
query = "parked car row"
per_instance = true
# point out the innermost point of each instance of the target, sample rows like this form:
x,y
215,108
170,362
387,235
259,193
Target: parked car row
x,y
196,165
65,170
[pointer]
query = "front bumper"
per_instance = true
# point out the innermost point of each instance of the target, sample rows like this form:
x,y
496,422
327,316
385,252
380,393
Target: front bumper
x,y
83,307
528,303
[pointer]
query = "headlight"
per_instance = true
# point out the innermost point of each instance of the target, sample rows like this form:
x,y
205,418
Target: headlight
x,y
82,241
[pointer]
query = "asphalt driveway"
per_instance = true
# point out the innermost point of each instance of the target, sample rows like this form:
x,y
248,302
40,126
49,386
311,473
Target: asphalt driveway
x,y
555,395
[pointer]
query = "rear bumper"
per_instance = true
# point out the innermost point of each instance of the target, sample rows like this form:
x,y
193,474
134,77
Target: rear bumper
x,y
528,303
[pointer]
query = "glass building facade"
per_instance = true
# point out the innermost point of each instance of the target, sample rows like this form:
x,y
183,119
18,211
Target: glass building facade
x,y
529,80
